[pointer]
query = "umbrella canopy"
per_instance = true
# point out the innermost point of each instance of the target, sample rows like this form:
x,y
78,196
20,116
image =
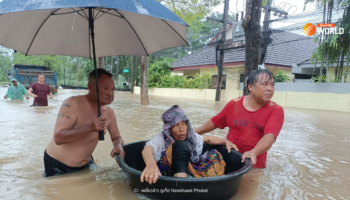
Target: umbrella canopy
x,y
61,27
89,28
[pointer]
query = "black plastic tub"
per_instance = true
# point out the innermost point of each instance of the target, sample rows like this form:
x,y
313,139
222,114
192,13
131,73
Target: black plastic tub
x,y
217,188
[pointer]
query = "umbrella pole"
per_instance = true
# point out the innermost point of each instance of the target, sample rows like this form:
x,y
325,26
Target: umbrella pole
x,y
91,25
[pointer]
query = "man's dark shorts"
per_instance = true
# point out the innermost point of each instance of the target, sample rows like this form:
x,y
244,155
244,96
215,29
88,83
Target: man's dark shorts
x,y
55,167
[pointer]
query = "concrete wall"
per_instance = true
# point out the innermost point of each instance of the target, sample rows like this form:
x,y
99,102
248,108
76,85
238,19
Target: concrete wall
x,y
325,96
310,100
339,88
205,94
321,101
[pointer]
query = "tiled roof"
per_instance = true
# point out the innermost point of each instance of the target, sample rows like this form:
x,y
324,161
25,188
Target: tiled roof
x,y
286,49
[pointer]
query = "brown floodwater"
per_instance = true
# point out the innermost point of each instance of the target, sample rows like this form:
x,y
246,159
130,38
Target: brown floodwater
x,y
309,160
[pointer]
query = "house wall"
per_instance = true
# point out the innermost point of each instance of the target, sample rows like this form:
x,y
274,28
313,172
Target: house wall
x,y
331,74
274,71
177,73
232,75
229,33
309,100
191,72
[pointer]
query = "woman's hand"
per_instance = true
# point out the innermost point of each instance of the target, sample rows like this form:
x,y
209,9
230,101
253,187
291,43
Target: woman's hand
x,y
151,173
230,145
251,155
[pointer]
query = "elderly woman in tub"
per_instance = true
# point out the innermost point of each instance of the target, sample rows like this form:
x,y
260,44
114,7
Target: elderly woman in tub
x,y
178,151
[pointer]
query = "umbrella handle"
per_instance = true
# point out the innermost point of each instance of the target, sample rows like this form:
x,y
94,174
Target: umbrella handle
x,y
101,133
101,136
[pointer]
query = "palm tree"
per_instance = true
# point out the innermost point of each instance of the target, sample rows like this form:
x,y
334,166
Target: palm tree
x,y
334,48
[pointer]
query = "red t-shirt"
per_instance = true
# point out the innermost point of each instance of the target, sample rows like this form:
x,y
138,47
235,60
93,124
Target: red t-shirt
x,y
246,128
41,90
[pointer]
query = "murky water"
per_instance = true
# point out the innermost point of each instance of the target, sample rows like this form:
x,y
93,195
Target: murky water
x,y
310,159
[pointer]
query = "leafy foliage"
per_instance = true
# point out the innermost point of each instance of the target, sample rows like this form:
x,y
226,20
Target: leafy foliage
x,y
281,76
160,77
190,10
5,65
335,49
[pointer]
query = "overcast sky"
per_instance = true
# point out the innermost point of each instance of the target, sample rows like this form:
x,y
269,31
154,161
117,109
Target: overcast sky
x,y
299,4
291,6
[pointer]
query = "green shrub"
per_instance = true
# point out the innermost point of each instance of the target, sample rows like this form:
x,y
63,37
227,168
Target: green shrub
x,y
281,76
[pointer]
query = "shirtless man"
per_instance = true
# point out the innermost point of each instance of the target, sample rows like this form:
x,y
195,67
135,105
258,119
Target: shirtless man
x,y
76,131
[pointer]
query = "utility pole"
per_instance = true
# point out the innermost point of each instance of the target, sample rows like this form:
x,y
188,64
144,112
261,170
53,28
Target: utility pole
x,y
222,51
266,40
265,34
221,46
252,32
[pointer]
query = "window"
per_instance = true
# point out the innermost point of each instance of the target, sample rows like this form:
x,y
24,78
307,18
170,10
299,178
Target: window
x,y
302,76
241,78
214,81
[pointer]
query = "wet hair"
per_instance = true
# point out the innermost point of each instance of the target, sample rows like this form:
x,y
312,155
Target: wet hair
x,y
254,77
41,74
100,71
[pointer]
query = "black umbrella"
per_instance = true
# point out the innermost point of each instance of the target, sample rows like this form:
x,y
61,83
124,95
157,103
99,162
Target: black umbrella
x,y
89,28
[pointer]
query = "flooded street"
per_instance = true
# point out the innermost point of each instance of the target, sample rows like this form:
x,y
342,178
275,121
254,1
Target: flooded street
x,y
310,159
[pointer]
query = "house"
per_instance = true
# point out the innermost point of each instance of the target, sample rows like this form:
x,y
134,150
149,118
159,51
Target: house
x,y
305,70
285,50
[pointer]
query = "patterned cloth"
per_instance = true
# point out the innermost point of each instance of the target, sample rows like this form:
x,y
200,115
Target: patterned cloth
x,y
173,116
213,165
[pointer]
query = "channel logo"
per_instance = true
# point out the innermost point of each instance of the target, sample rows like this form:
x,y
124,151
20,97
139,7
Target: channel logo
x,y
309,29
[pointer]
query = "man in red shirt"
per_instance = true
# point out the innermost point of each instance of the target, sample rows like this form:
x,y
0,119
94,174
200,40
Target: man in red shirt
x,y
254,121
40,90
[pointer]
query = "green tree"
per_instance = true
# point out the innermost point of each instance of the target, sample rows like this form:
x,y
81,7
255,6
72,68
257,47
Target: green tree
x,y
52,62
157,70
5,65
334,49
199,35
190,10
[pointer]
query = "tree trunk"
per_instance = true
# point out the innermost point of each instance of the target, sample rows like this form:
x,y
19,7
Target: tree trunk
x,y
111,64
346,20
340,70
252,32
76,73
100,62
138,58
64,75
132,74
346,72
144,80
117,72
322,62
